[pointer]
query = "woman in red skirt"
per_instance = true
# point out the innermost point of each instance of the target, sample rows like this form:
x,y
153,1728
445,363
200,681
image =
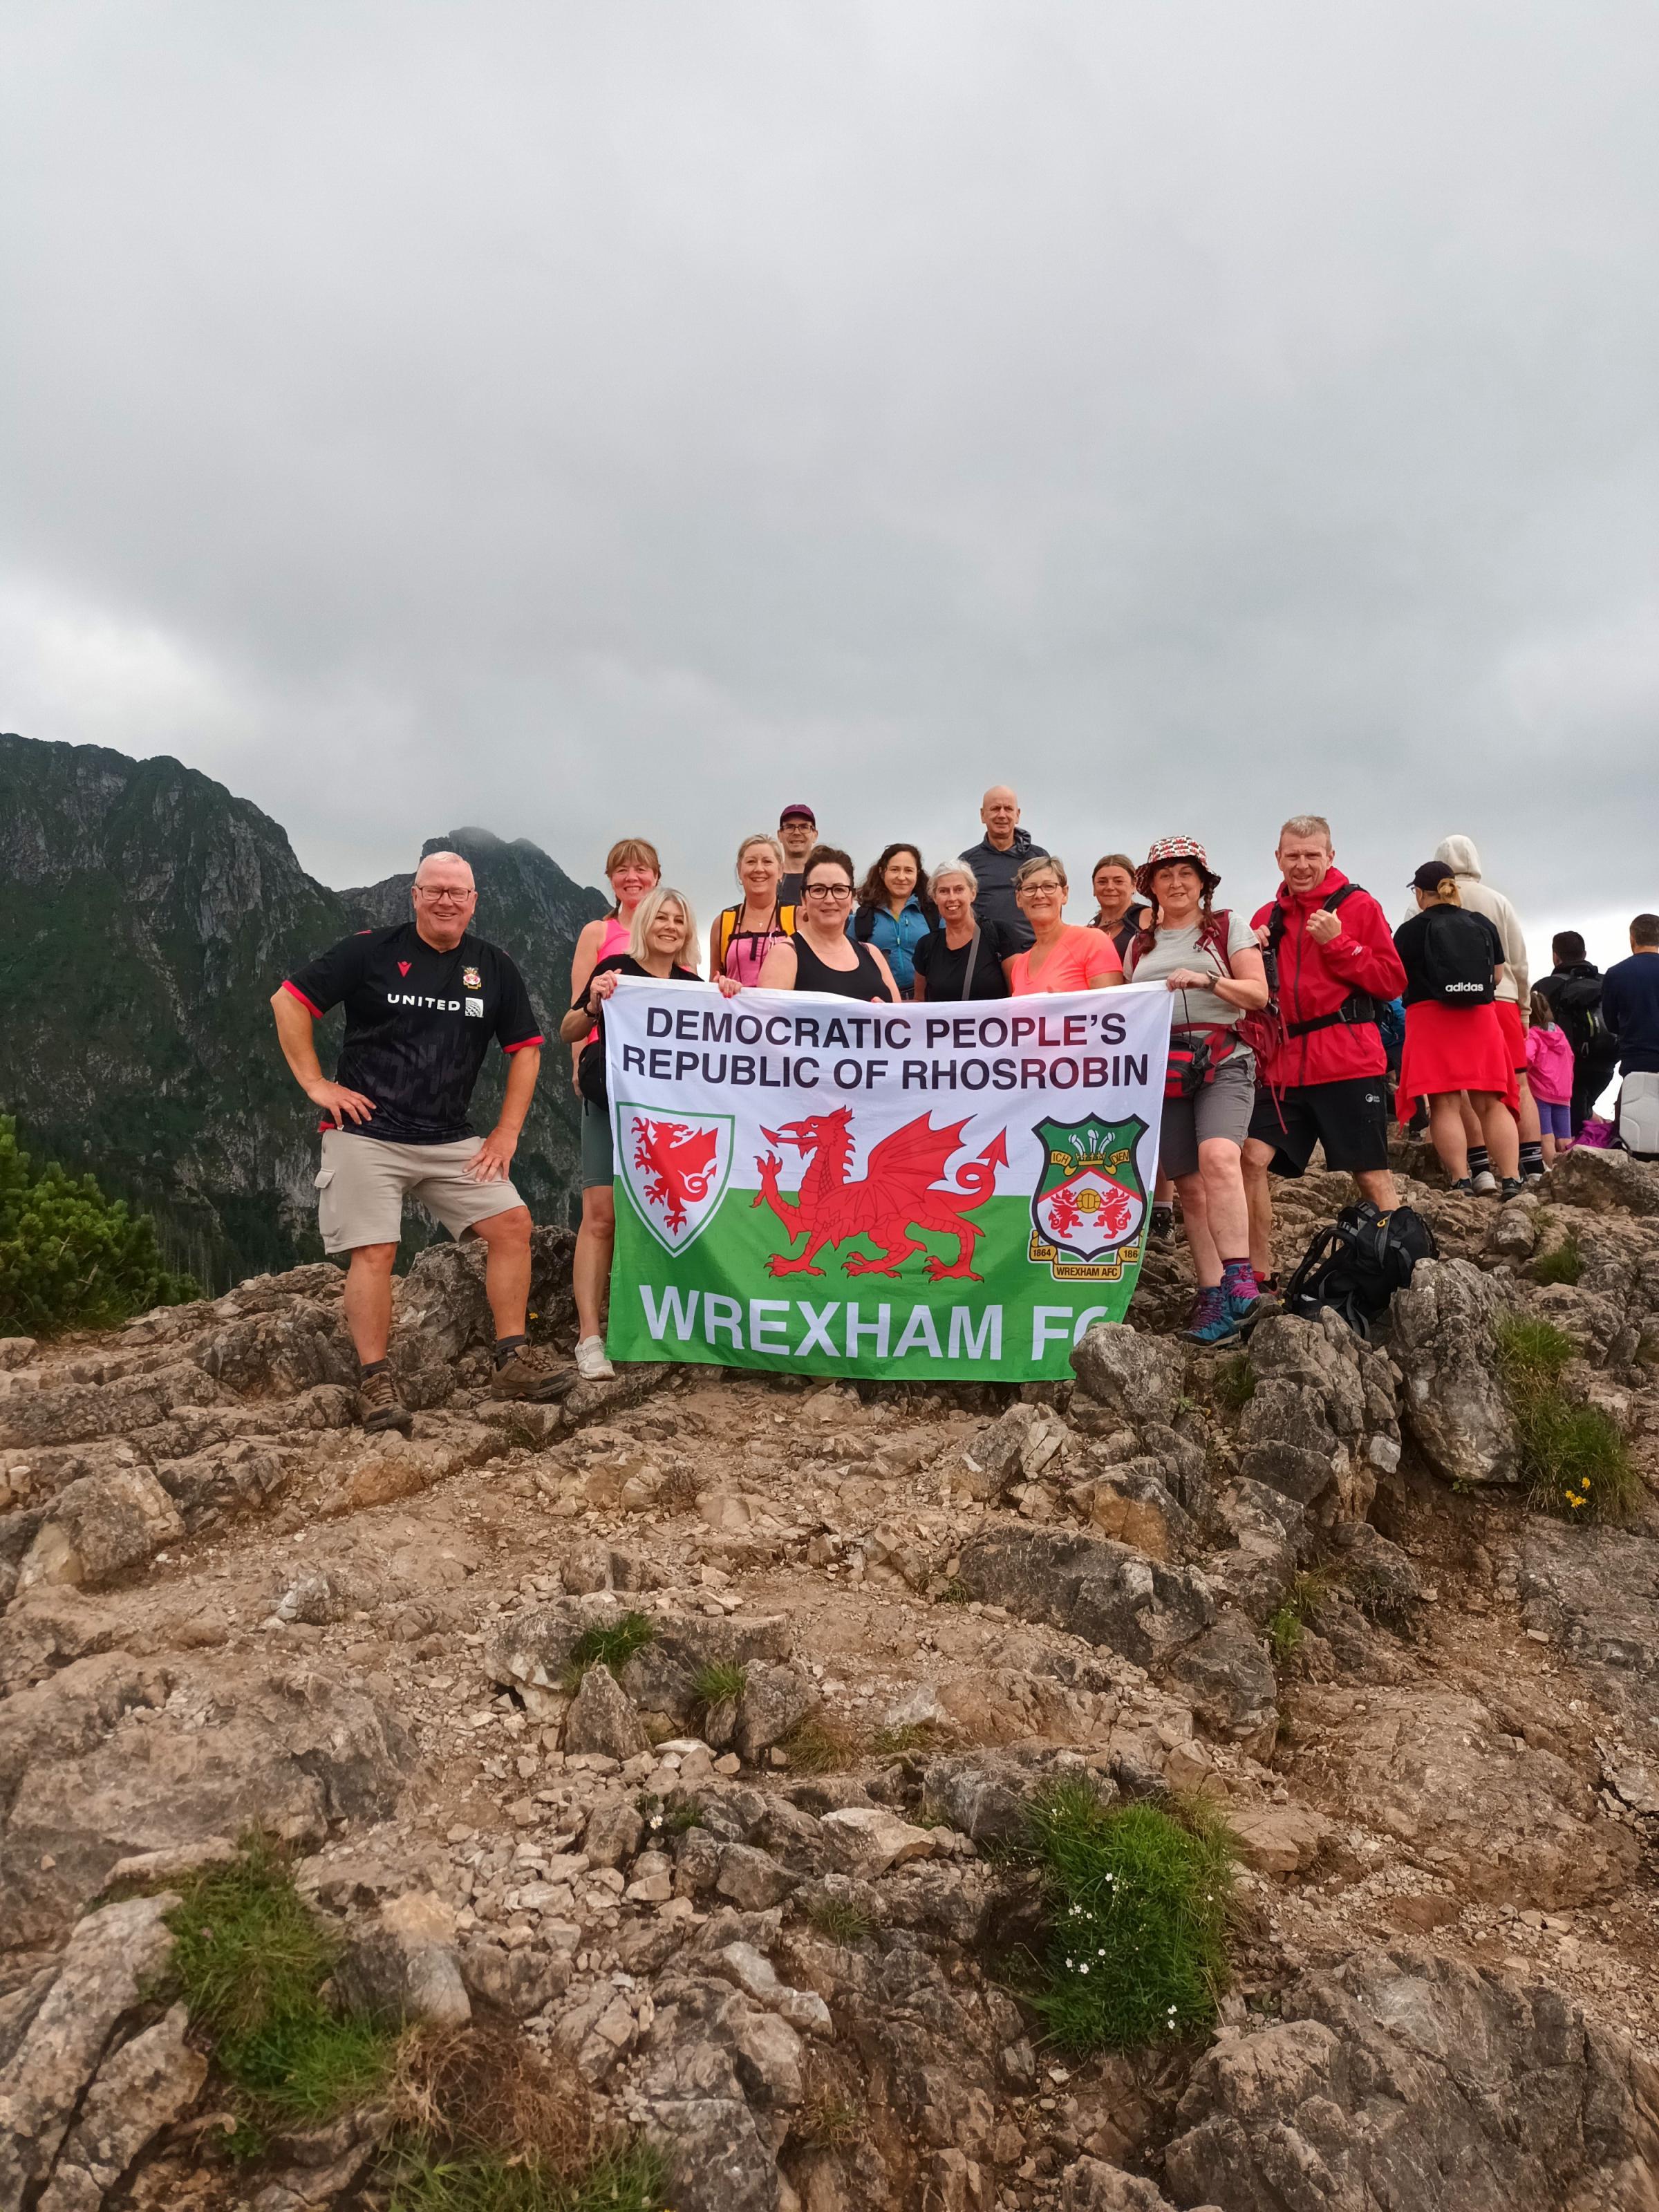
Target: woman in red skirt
x,y
1454,1042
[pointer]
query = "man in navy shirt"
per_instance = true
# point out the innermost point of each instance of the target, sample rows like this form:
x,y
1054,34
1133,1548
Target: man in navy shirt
x,y
422,1002
1630,1007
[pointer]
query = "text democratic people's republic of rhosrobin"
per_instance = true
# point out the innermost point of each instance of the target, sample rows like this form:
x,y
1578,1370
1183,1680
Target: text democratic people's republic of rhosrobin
x,y
810,1186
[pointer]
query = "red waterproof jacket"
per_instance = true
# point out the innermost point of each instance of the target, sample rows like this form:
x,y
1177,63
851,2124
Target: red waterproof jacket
x,y
1315,979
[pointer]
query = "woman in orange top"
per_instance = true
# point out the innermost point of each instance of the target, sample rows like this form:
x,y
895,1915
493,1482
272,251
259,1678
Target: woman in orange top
x,y
1062,957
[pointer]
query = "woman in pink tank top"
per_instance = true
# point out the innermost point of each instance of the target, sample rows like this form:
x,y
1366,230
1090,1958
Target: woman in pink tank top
x,y
633,869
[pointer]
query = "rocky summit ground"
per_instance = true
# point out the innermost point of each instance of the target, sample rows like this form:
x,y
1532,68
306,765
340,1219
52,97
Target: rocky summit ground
x,y
760,1882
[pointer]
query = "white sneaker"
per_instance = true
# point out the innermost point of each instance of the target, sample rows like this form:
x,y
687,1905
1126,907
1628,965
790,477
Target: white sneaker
x,y
1485,1186
591,1362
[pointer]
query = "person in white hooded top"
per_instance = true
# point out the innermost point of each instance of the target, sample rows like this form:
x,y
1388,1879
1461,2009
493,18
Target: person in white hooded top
x,y
1514,996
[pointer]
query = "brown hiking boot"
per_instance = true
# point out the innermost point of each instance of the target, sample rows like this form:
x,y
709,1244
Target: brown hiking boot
x,y
534,1374
379,1407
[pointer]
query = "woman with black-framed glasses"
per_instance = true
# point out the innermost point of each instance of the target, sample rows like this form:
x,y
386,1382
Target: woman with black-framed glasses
x,y
820,956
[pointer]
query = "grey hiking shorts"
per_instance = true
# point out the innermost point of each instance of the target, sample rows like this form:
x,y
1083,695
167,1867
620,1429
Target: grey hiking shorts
x,y
363,1181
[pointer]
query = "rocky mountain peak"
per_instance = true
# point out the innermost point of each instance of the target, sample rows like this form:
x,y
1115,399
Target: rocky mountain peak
x,y
683,1751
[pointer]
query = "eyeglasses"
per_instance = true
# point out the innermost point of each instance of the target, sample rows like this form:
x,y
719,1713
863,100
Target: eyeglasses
x,y
443,898
833,894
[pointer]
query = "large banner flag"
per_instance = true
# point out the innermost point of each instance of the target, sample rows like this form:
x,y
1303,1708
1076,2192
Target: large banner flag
x,y
823,1185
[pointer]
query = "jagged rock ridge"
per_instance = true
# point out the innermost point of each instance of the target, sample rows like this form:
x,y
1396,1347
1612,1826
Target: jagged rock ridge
x,y
146,915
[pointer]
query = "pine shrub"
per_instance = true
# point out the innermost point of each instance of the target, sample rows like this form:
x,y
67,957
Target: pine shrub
x,y
70,1257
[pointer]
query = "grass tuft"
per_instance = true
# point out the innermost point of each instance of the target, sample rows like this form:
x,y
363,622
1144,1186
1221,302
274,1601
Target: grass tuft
x,y
955,1592
1566,1264
1233,1381
1138,1902
488,2124
1573,1457
612,1646
721,1682
821,1744
908,1737
1300,1602
250,1961
842,1919
631,2180
826,2121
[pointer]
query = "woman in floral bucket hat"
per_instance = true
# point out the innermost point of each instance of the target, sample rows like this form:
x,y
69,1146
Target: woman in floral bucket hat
x,y
1210,958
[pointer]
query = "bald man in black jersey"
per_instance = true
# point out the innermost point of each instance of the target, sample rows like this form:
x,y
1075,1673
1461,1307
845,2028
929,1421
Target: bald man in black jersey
x,y
422,1002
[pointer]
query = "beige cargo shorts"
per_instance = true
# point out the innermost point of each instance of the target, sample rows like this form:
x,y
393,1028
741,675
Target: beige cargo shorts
x,y
363,1181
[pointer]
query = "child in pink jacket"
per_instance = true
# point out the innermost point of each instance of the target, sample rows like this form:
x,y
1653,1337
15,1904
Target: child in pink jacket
x,y
1549,1077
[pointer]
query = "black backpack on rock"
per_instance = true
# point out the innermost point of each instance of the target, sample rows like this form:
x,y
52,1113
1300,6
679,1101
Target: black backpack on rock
x,y
1457,962
1356,1266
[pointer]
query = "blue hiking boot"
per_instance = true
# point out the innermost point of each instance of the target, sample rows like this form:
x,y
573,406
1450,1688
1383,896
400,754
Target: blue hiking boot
x,y
1242,1289
1211,1321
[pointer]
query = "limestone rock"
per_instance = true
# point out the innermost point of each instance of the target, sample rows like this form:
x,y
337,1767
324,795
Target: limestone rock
x,y
868,1840
78,2009
1279,1838
752,1878
1322,1418
114,1755
1408,2080
1132,1505
1226,1674
140,2089
1437,1771
1603,1181
101,1527
1091,2186
697,2111
603,1718
1454,1401
775,1699
984,1794
1273,1535
532,1648
1129,1373
1093,1587
403,1964
1019,1447
1594,1593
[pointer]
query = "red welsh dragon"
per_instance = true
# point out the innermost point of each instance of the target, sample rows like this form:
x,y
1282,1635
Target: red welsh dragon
x,y
895,1195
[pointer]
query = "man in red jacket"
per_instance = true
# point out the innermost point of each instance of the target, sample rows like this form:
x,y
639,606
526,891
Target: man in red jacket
x,y
1323,1084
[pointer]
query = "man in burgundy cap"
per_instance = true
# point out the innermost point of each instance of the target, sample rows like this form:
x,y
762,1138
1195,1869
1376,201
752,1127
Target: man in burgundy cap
x,y
798,832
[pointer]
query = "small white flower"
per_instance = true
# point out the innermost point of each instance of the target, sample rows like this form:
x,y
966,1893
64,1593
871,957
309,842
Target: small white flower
x,y
1084,1968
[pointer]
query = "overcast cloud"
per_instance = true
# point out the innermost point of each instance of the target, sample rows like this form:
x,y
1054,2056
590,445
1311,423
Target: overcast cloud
x,y
626,417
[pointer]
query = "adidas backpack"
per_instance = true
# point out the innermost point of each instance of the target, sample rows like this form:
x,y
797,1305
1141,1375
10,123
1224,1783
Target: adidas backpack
x,y
1457,962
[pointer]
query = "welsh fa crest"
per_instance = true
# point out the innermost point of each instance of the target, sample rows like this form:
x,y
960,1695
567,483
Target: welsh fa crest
x,y
1088,1210
675,1168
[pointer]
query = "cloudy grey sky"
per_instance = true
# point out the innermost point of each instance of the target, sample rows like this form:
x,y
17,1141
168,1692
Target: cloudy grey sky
x,y
624,417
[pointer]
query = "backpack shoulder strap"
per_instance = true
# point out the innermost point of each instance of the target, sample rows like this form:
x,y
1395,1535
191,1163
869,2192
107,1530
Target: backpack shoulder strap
x,y
728,923
786,919
864,924
1212,936
1336,898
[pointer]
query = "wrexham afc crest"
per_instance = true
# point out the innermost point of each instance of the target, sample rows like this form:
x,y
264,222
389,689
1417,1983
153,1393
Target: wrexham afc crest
x,y
1088,1209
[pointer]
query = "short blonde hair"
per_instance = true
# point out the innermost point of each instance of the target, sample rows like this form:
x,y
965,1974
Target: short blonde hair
x,y
1306,825
639,937
953,868
1035,865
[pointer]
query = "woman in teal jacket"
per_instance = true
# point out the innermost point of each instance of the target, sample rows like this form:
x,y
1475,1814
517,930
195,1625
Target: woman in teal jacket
x,y
893,914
